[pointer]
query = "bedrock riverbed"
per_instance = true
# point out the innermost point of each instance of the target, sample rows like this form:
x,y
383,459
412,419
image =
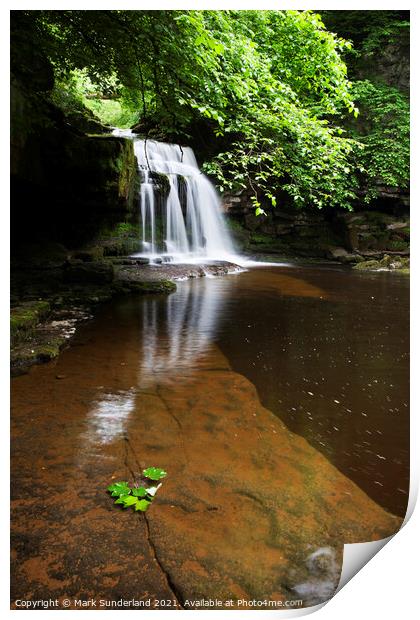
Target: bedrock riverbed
x,y
248,510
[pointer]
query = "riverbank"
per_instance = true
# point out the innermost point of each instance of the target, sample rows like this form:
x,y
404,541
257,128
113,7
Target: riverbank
x,y
350,237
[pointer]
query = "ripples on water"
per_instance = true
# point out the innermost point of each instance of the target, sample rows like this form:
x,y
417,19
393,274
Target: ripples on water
x,y
328,352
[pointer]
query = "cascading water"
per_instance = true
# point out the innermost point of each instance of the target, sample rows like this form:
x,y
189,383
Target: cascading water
x,y
180,211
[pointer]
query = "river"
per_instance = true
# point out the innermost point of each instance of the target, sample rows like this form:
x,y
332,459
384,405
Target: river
x,y
326,350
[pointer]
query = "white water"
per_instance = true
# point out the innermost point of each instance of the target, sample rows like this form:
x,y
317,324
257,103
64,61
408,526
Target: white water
x,y
187,225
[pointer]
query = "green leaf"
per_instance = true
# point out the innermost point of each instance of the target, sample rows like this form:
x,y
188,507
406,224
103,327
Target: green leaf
x,y
200,40
123,498
142,504
140,492
154,473
259,211
129,500
119,488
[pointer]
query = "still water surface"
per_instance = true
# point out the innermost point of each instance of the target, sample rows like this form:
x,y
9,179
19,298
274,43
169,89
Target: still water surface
x,y
326,348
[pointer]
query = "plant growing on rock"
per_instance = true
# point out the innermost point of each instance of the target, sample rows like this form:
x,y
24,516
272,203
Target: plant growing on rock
x,y
139,496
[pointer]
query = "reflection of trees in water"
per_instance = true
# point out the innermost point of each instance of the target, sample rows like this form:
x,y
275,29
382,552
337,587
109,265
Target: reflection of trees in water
x,y
178,333
175,333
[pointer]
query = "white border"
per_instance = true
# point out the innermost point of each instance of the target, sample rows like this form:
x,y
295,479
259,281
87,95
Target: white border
x,y
388,584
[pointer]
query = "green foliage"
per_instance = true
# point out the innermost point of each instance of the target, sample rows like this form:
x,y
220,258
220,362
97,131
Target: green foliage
x,y
271,86
111,112
139,492
128,501
262,81
68,95
384,130
379,64
370,31
119,489
142,505
154,473
137,497
76,92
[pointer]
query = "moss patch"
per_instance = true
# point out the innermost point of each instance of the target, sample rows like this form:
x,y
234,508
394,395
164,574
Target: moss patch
x,y
25,317
42,348
122,239
368,265
391,263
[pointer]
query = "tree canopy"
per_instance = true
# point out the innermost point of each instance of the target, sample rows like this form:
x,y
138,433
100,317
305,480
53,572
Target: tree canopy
x,y
271,87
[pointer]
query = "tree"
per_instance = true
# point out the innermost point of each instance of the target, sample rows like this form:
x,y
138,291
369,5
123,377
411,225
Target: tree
x,y
267,84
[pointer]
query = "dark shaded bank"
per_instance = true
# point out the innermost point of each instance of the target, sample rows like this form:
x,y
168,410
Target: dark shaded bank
x,y
352,238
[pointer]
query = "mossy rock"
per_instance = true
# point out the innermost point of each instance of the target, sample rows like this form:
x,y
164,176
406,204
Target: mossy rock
x,y
156,286
395,263
122,239
25,317
26,355
368,265
162,181
87,122
48,350
120,247
386,261
398,245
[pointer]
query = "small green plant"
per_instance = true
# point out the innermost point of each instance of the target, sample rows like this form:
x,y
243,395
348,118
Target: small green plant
x,y
139,496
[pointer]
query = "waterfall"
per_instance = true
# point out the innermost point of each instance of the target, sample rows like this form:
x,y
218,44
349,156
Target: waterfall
x,y
180,211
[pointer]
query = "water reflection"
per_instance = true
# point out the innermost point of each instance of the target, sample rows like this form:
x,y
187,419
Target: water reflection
x,y
107,419
177,332
326,349
172,337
